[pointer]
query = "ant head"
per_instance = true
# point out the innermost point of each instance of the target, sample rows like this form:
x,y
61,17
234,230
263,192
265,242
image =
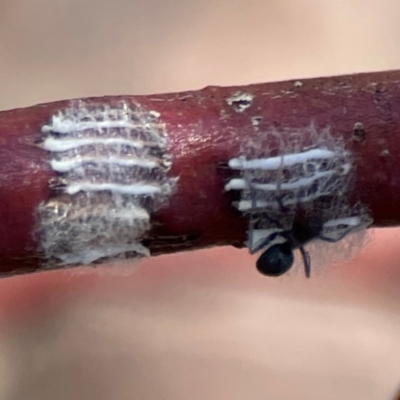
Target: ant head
x,y
277,260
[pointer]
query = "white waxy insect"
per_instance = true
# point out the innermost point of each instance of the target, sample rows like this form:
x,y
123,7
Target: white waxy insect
x,y
294,198
111,163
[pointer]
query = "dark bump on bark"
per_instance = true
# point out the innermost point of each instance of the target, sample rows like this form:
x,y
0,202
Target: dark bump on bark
x,y
359,132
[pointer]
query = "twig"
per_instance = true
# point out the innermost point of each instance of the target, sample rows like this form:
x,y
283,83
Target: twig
x,y
204,129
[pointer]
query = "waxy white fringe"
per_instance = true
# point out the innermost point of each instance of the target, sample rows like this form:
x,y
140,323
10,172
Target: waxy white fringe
x,y
111,164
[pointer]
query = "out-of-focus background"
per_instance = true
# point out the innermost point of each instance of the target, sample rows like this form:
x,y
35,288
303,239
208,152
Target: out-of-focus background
x,y
200,325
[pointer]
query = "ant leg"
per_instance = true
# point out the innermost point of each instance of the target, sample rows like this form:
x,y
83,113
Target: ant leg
x,y
253,198
266,241
331,240
282,208
306,261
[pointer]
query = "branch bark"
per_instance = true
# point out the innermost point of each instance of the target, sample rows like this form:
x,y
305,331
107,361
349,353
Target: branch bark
x,y
205,129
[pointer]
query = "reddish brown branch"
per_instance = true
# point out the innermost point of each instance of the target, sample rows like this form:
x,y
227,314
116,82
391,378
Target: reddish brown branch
x,y
204,131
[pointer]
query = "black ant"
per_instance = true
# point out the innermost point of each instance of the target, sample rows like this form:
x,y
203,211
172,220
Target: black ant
x,y
279,258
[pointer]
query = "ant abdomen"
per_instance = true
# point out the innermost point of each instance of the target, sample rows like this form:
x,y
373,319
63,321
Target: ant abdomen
x,y
276,260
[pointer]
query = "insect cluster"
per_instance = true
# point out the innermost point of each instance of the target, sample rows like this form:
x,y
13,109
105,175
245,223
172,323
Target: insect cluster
x,y
111,165
293,188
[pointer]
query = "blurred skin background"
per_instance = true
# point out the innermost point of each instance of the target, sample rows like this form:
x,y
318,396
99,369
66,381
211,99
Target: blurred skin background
x,y
199,325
